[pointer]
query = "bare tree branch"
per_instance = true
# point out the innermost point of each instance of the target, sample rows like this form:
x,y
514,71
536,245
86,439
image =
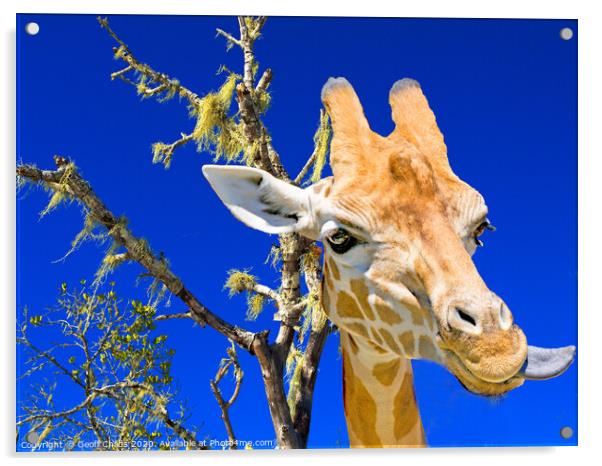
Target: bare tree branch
x,y
229,37
305,170
291,246
256,133
231,362
303,400
133,64
179,315
271,372
137,248
302,390
264,81
267,292
46,355
321,139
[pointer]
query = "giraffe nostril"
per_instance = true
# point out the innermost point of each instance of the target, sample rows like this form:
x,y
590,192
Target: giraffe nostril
x,y
464,321
466,317
505,317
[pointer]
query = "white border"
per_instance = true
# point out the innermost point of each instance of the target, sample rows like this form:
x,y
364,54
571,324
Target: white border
x,y
590,200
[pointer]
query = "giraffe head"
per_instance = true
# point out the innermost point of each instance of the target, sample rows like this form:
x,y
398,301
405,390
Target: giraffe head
x,y
399,229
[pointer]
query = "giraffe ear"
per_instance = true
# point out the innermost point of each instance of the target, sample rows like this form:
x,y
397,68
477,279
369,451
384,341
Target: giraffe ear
x,y
260,200
414,119
349,125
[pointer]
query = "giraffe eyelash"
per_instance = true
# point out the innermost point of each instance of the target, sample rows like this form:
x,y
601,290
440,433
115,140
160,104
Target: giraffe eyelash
x,y
484,225
341,241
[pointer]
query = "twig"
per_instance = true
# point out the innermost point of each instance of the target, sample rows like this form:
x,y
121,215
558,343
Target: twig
x,y
46,355
118,74
260,22
164,152
306,167
135,65
318,147
267,292
264,81
229,37
179,315
224,405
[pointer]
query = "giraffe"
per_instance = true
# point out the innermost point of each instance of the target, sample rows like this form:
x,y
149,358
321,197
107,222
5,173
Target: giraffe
x,y
399,229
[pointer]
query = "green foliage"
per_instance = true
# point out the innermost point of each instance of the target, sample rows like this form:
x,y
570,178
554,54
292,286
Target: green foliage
x,y
293,373
170,91
162,153
120,52
85,234
59,192
109,263
214,130
239,281
264,100
321,146
57,198
253,24
313,316
274,256
293,357
141,87
111,353
255,304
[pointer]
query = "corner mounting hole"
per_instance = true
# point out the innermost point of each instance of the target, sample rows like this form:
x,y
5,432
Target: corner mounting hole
x,y
32,28
566,33
566,432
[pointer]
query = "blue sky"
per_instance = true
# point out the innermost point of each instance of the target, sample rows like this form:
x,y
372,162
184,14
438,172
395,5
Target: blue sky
x,y
504,92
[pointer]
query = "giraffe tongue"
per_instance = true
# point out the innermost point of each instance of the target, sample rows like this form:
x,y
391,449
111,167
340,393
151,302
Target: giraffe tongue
x,y
545,363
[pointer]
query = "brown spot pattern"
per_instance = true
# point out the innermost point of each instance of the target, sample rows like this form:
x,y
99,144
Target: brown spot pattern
x,y
332,266
426,348
387,314
377,348
347,306
417,317
405,409
362,421
358,328
385,372
354,348
376,336
407,341
429,320
360,291
325,299
389,340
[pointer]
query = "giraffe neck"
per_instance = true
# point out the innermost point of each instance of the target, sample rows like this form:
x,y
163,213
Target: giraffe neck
x,y
380,404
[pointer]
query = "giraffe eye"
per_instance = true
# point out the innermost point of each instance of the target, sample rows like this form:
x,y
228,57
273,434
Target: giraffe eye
x,y
341,241
485,225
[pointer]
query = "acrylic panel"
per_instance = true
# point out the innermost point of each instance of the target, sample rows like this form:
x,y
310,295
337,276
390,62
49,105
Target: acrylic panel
x,y
279,233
